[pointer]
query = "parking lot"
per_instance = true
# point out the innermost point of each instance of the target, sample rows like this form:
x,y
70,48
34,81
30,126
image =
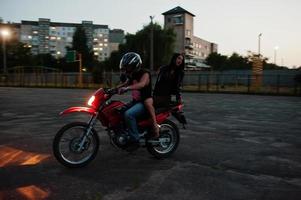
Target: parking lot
x,y
234,147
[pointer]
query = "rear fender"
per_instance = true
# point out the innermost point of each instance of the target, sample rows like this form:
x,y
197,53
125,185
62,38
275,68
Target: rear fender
x,y
180,117
87,110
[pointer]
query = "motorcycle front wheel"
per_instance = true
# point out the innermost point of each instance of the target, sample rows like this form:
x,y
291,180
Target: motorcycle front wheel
x,y
168,141
71,148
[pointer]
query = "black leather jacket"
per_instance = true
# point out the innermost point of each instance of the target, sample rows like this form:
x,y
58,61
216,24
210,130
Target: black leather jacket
x,y
168,83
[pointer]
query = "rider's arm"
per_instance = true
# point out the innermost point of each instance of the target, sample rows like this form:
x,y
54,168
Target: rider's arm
x,y
144,81
123,84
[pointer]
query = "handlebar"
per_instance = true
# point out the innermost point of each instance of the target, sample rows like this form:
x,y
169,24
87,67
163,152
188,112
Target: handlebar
x,y
111,91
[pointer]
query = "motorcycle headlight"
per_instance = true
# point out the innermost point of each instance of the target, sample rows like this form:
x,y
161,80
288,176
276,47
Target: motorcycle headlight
x,y
91,100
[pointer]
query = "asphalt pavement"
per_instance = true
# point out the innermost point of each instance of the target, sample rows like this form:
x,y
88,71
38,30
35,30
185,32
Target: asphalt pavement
x,y
235,147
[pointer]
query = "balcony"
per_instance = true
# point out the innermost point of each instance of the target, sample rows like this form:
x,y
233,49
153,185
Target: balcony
x,y
189,45
188,54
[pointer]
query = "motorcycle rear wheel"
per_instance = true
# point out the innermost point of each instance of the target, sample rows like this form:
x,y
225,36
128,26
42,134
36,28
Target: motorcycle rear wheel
x,y
66,145
169,131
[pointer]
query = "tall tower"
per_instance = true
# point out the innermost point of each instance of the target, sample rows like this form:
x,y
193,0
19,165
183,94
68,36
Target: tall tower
x,y
181,21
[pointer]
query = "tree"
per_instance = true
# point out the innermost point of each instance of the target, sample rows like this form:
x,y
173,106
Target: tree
x,y
236,61
16,54
216,61
140,42
79,44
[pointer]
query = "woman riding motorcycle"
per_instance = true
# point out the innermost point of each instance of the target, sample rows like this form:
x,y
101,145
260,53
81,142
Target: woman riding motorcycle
x,y
139,82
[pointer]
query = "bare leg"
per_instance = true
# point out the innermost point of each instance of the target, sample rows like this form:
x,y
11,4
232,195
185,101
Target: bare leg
x,y
149,106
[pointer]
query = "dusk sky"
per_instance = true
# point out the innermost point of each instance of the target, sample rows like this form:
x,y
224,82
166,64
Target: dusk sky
x,y
233,24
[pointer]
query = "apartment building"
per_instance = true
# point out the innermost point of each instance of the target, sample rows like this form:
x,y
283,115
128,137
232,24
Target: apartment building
x,y
116,37
196,49
44,36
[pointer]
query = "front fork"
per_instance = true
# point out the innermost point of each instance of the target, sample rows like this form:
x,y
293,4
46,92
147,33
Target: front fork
x,y
88,132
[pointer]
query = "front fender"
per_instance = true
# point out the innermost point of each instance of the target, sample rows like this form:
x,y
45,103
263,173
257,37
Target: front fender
x,y
87,110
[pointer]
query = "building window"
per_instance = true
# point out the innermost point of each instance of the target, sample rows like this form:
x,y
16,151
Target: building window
x,y
188,32
178,19
169,19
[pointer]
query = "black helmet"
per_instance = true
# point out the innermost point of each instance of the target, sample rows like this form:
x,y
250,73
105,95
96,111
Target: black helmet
x,y
130,61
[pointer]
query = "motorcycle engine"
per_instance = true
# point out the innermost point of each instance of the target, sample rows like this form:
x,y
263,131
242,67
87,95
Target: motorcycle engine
x,y
119,138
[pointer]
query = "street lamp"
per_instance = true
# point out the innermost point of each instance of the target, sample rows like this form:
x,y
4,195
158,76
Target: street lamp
x,y
259,37
275,54
152,44
5,34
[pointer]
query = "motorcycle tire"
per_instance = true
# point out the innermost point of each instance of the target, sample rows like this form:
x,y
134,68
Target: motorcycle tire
x,y
174,137
74,141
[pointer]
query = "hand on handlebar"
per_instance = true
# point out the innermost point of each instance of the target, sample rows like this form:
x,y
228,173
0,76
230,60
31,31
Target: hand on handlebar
x,y
122,90
111,91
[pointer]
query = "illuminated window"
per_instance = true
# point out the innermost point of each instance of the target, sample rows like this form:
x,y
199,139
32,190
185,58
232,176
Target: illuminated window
x,y
106,45
105,40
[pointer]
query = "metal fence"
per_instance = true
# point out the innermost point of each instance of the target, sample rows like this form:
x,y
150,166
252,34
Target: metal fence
x,y
231,81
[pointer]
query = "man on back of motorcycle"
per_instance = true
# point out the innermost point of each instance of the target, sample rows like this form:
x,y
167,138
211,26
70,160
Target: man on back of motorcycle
x,y
139,82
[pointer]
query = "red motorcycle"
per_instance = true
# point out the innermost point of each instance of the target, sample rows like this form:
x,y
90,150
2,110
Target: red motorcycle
x,y
76,144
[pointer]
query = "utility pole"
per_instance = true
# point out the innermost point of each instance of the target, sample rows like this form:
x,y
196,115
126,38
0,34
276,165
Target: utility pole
x,y
152,44
80,78
259,37
275,54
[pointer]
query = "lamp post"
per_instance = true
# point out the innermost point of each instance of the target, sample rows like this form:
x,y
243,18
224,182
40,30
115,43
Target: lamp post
x,y
152,44
259,37
4,33
275,54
